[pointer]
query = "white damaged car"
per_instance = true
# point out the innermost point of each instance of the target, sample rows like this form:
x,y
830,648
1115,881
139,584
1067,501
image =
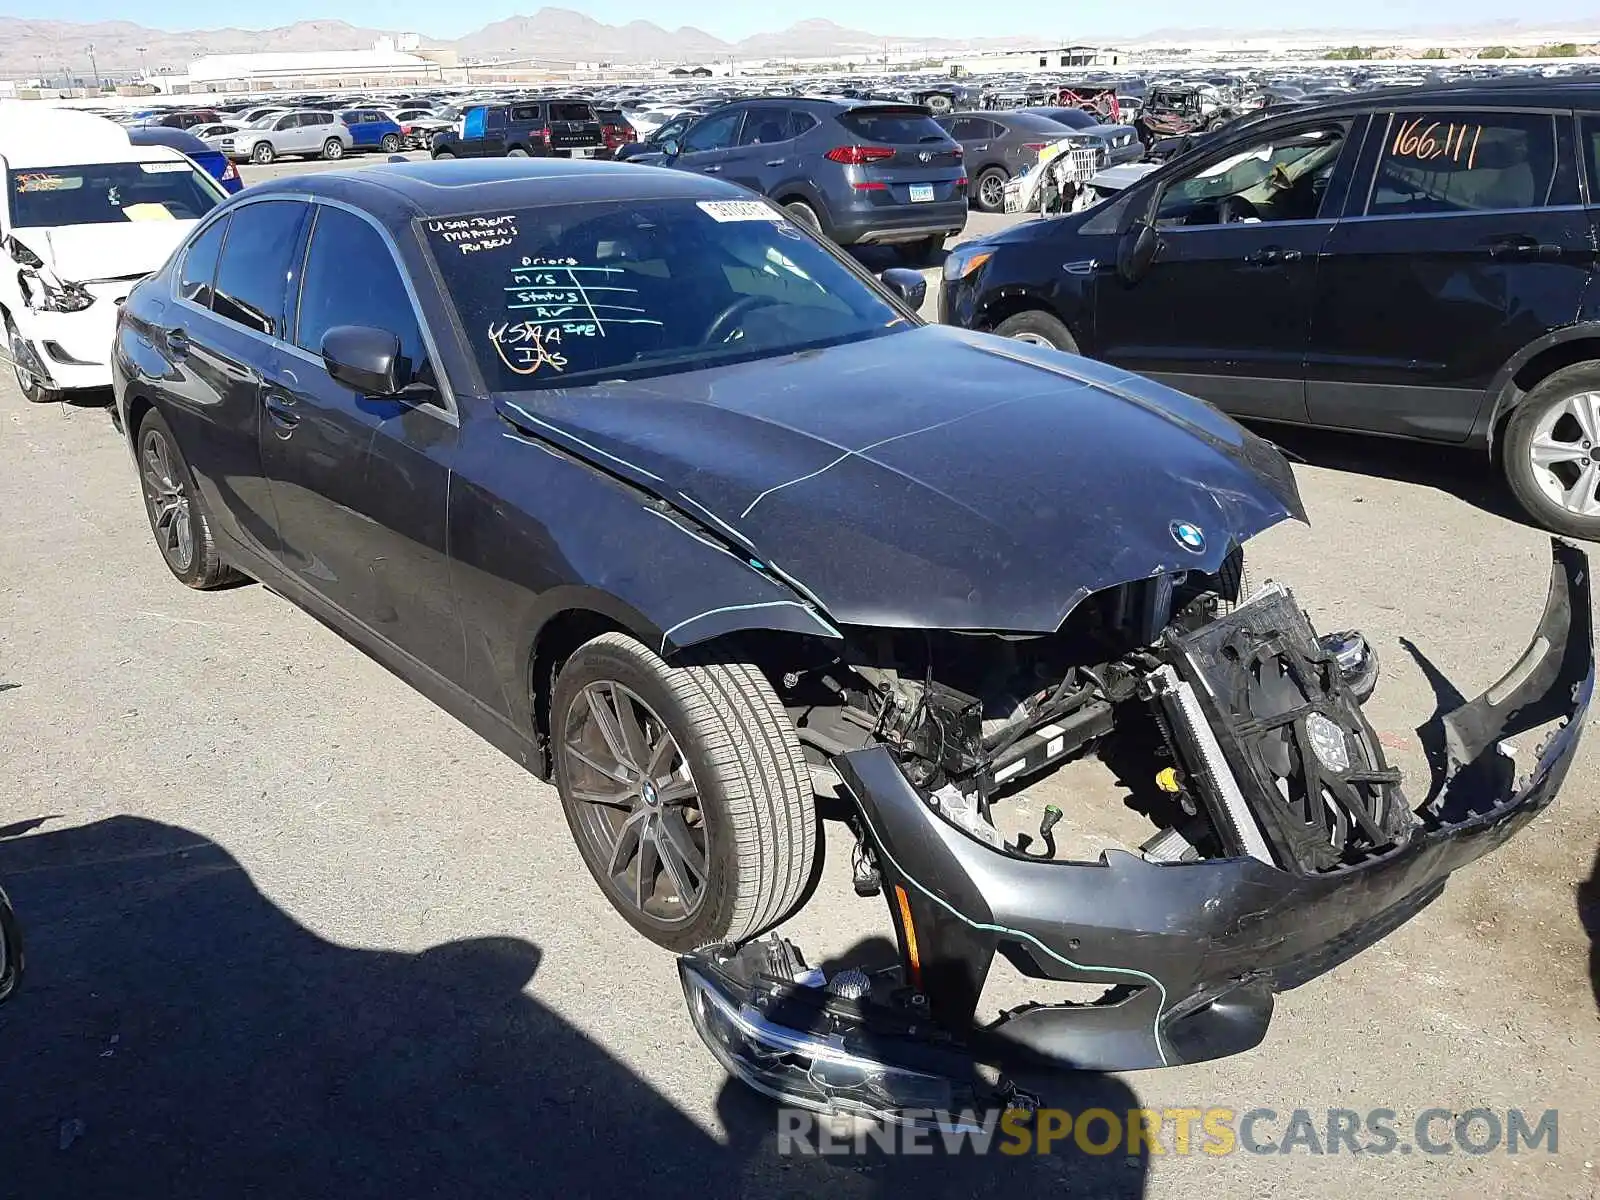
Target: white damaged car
x,y
84,215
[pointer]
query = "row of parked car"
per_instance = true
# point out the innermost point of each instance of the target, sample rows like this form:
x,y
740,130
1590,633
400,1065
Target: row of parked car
x,y
1467,203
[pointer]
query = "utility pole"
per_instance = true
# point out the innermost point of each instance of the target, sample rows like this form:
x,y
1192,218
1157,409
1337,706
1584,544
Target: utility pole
x,y
142,69
38,65
93,69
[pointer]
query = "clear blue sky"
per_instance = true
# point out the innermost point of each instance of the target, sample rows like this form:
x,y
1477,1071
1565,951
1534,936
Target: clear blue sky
x,y
733,19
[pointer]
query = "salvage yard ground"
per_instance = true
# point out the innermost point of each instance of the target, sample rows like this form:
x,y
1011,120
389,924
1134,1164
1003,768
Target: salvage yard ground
x,y
294,930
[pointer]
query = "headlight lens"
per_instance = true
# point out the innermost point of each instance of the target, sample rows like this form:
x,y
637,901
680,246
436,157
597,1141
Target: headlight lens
x,y
67,297
962,263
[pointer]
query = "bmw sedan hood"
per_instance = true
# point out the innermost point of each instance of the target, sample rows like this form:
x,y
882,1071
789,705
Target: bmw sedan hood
x,y
935,478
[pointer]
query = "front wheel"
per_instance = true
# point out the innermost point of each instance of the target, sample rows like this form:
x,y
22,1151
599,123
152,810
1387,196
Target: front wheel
x,y
685,790
390,143
441,154
178,518
33,389
1551,452
1038,329
262,154
332,149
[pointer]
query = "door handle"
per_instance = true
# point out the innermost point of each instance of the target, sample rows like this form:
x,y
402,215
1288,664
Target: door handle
x,y
711,170
178,343
776,162
1269,256
280,411
1523,247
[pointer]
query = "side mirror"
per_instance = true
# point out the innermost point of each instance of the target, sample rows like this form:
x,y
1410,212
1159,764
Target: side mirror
x,y
907,284
1137,251
10,948
670,147
365,360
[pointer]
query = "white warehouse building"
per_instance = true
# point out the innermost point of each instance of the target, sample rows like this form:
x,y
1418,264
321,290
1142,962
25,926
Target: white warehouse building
x,y
386,61
1054,58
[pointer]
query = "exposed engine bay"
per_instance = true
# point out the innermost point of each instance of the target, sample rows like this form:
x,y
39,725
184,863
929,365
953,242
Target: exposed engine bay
x,y
1176,668
1282,845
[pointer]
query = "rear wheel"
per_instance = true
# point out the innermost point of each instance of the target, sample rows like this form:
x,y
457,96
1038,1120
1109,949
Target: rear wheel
x,y
178,518
33,389
516,152
332,149
1551,452
262,153
390,143
990,193
803,214
685,790
1038,329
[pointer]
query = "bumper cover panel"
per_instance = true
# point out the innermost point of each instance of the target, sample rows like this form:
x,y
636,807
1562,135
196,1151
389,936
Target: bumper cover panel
x,y
1192,953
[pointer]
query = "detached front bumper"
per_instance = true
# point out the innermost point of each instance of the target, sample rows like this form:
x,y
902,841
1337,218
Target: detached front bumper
x,y
1191,954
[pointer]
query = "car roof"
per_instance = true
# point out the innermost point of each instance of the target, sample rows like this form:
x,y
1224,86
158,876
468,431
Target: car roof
x,y
399,192
163,135
1515,92
58,137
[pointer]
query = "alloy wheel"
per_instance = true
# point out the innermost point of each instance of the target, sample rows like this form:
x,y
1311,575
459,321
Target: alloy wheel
x,y
1033,339
1565,453
637,807
168,501
992,191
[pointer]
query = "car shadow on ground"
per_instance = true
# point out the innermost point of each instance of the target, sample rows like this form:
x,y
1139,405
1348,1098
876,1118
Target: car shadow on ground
x,y
178,1035
1466,474
1589,918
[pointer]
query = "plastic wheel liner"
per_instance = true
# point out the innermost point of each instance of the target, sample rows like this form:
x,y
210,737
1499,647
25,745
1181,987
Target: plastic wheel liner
x,y
1190,952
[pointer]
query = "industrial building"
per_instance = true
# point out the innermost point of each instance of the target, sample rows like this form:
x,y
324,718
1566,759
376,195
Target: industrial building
x,y
1050,59
390,62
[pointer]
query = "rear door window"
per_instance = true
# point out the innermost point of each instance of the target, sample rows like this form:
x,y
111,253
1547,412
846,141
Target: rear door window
x,y
892,126
1461,162
525,112
800,122
764,126
257,262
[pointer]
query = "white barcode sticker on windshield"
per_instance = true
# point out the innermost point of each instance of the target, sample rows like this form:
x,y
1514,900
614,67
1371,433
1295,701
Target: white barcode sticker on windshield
x,y
162,168
740,210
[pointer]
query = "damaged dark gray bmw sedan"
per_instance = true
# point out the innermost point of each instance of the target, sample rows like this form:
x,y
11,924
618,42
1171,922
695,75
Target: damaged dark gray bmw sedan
x,y
676,505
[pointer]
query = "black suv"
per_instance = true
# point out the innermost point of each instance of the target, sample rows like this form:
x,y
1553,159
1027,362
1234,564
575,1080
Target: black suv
x,y
1415,263
859,172
522,129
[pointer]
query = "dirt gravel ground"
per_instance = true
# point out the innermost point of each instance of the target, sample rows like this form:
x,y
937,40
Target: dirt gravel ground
x,y
293,931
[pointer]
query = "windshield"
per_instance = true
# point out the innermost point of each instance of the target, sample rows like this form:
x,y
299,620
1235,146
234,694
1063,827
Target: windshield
x,y
555,296
110,193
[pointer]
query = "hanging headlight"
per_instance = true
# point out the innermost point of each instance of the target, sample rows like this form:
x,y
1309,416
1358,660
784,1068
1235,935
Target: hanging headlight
x,y
44,296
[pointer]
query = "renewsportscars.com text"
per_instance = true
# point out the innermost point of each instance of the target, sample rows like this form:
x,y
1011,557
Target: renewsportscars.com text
x,y
1180,1131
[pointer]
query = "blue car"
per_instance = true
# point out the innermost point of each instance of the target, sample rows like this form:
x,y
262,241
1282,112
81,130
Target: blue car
x,y
213,162
373,129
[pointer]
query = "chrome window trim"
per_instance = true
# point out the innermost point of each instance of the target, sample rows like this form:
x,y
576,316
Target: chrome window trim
x,y
449,413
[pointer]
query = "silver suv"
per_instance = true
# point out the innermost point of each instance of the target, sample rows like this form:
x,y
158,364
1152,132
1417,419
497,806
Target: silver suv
x,y
309,132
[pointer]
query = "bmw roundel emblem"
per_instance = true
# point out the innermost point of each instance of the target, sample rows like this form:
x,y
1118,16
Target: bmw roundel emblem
x,y
1191,537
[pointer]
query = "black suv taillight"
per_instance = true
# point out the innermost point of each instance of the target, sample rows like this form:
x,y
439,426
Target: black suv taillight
x,y
856,156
